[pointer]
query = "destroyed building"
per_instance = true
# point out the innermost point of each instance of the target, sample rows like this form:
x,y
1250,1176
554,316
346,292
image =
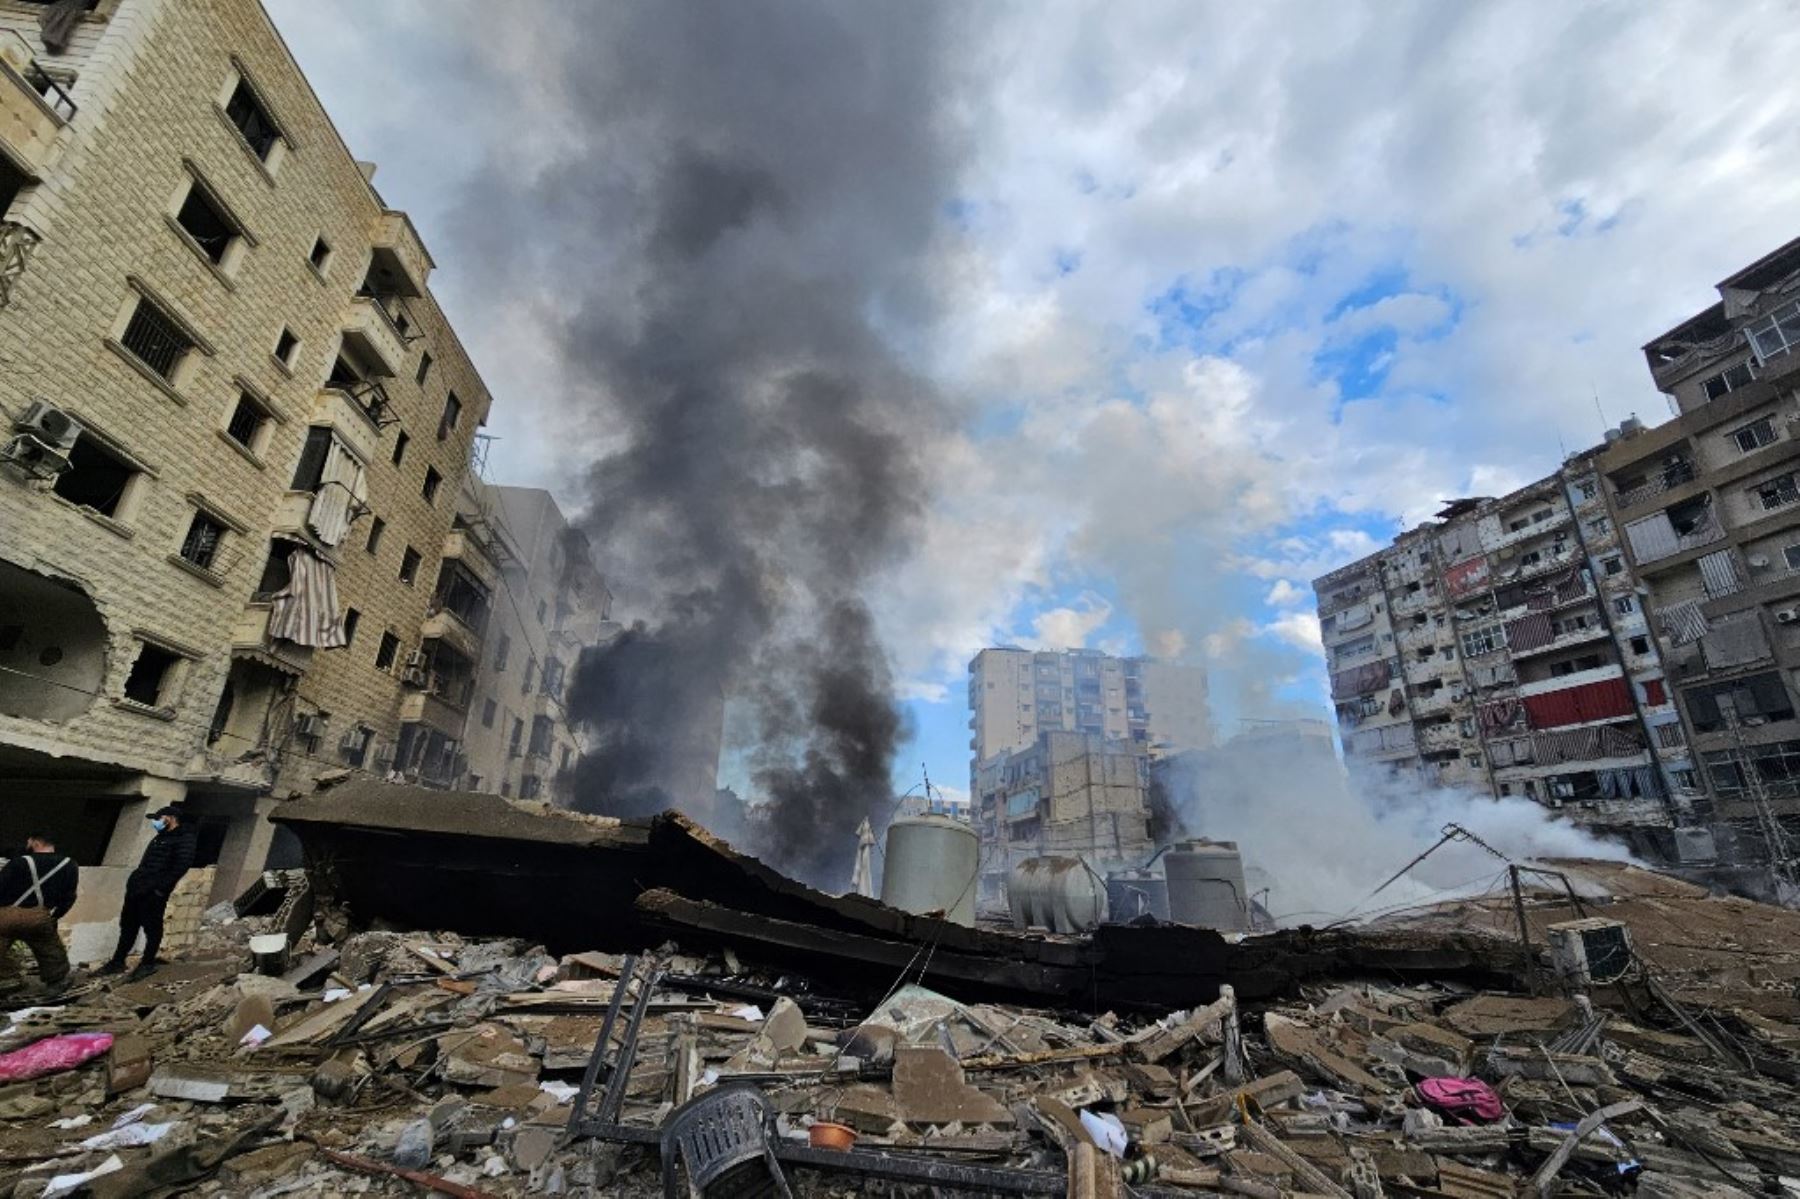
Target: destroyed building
x,y
1069,795
1603,1030
235,427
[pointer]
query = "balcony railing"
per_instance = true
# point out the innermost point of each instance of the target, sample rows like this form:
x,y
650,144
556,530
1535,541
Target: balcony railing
x,y
16,244
1669,477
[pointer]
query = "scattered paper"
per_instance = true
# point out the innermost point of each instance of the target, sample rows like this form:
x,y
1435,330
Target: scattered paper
x,y
562,1092
134,1115
256,1036
68,1184
333,994
711,1076
748,1012
129,1137
68,1122
1106,1130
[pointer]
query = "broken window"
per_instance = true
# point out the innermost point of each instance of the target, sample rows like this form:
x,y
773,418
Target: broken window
x,y
151,674
97,478
530,786
462,593
201,545
1757,699
275,573
400,443
1727,381
553,679
155,339
1613,565
246,111
1640,645
1776,333
409,566
205,221
424,368
530,670
433,481
309,472
1484,640
1776,493
376,528
543,731
513,748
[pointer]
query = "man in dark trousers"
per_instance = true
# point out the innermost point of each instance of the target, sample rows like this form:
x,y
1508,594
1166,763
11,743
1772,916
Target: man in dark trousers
x,y
37,889
147,891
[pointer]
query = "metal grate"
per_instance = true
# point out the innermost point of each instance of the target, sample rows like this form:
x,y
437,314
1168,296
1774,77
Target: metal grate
x,y
155,339
201,545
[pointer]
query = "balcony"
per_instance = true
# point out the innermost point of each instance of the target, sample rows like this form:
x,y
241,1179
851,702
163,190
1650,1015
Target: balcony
x,y
422,707
460,546
33,107
1559,516
1445,699
1441,737
350,415
1423,599
1574,637
372,334
400,263
250,638
1672,474
444,625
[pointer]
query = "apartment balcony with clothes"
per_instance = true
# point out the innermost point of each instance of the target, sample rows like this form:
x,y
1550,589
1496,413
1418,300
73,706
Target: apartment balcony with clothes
x,y
33,106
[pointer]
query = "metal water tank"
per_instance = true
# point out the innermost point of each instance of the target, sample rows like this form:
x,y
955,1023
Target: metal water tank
x,y
1059,894
1134,893
930,867
1206,885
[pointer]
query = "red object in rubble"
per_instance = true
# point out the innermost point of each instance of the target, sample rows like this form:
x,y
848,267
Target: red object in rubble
x,y
1465,1100
52,1055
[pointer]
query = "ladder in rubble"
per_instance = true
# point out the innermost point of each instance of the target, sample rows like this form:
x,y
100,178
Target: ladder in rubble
x,y
603,1122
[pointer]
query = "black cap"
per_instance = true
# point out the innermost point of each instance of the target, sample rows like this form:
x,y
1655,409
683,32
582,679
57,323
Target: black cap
x,y
176,810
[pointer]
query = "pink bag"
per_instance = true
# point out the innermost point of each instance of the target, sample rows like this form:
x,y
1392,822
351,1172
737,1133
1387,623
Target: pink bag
x,y
1464,1099
53,1055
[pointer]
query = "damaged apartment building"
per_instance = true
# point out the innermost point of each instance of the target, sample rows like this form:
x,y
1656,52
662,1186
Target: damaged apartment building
x,y
238,542
1062,744
1503,648
1710,507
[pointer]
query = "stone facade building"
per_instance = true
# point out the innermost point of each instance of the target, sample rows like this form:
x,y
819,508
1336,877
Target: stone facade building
x,y
233,429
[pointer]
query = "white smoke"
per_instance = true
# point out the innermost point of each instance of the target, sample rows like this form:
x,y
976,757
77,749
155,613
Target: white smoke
x,y
1321,842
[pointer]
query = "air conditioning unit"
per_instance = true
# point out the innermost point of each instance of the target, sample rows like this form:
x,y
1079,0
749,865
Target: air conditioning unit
x,y
50,425
383,757
32,455
311,726
1590,952
352,740
415,676
1787,615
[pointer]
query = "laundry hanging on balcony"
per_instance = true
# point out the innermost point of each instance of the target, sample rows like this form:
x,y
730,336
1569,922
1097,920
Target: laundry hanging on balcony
x,y
341,496
305,612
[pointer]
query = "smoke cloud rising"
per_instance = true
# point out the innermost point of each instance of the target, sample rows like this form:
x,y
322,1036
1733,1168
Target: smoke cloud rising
x,y
1321,841
746,203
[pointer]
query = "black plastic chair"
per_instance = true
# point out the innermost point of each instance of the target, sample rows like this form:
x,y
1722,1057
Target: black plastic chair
x,y
723,1143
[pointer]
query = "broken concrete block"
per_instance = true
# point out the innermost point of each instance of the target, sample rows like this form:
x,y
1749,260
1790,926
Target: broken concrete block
x,y
1435,1042
867,1109
491,1057
250,1011
128,1064
929,1089
786,1026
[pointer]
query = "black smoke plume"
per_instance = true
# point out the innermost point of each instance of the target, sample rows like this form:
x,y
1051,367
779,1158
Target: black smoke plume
x,y
742,231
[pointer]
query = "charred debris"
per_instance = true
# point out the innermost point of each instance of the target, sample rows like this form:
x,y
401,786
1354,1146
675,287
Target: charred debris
x,y
467,996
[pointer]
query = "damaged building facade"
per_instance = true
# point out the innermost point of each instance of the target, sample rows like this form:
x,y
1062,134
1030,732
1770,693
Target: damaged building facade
x,y
234,429
1709,504
1062,743
1503,648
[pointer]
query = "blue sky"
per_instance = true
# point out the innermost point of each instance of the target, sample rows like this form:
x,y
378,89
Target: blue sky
x,y
1230,296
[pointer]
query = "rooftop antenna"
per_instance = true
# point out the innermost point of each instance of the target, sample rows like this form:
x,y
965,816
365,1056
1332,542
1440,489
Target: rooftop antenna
x,y
478,453
1604,423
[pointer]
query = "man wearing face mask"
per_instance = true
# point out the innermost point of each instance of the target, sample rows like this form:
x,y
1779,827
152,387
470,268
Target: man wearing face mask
x,y
147,891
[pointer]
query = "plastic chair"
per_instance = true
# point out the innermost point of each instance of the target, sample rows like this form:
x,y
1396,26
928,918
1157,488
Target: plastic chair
x,y
723,1138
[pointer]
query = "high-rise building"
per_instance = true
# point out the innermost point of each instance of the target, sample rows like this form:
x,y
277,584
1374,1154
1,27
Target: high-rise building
x,y
1710,507
1017,694
233,426
1503,648
548,603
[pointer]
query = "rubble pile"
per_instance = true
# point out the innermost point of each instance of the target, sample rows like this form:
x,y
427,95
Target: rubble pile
x,y
413,1063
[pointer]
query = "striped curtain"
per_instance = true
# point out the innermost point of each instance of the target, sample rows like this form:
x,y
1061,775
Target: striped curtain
x,y
342,488
306,610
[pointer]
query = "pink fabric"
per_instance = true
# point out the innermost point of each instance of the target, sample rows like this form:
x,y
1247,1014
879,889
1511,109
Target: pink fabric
x,y
1464,1099
53,1055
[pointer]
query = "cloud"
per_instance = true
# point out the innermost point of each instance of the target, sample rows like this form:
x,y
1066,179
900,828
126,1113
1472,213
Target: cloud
x,y
1285,594
1070,627
1298,629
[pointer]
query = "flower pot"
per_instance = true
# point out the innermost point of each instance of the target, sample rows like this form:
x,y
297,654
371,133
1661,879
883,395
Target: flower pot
x,y
826,1135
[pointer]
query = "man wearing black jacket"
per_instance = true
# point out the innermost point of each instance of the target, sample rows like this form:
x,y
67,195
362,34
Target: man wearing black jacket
x,y
147,891
37,888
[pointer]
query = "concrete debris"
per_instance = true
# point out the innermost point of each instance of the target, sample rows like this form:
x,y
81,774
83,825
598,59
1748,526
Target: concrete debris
x,y
434,1062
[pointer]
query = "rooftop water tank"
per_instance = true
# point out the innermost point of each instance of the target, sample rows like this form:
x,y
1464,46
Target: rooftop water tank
x,y
1059,894
1206,885
930,867
1134,893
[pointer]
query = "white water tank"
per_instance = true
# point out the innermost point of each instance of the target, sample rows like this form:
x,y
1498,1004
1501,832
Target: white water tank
x,y
1206,885
1059,894
930,867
